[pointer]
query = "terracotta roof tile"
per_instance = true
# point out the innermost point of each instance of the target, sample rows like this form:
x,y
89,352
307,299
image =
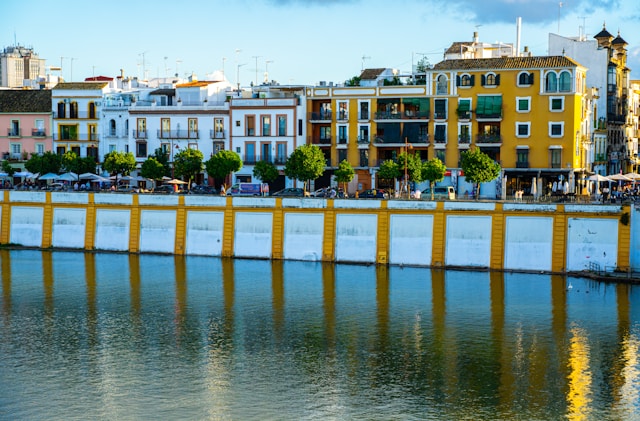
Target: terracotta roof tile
x,y
25,101
371,74
506,63
81,86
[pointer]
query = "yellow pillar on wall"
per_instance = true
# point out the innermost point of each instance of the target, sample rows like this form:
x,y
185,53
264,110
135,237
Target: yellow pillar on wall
x,y
328,244
228,228
47,222
383,234
438,237
181,227
134,227
90,224
624,240
497,238
277,239
559,251
5,229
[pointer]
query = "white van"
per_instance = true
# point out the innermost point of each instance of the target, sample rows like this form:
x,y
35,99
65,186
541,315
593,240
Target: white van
x,y
440,193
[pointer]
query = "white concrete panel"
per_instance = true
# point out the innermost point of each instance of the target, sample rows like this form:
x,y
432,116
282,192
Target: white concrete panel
x,y
158,199
27,196
303,236
204,233
591,240
69,227
592,208
411,204
112,229
112,199
198,200
356,238
529,207
158,231
468,241
254,202
26,226
358,204
69,197
481,206
253,233
304,203
528,243
411,239
634,257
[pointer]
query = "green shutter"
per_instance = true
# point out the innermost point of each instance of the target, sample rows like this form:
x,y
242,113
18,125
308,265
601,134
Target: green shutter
x,y
464,105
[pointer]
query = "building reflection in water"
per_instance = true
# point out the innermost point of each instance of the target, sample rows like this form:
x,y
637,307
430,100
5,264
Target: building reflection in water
x,y
507,344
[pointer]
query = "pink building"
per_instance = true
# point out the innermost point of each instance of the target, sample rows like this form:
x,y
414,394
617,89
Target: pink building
x,y
25,124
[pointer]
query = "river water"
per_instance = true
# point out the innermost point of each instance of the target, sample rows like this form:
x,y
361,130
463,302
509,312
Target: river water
x,y
127,337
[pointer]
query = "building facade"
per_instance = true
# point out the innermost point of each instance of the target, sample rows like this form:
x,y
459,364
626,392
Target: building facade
x,y
20,67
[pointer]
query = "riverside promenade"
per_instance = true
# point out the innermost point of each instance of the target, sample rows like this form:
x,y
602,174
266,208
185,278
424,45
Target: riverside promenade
x,y
540,237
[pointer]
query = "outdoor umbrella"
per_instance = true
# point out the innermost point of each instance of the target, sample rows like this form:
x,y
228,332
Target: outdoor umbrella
x,y
598,178
68,176
619,177
175,181
48,176
88,176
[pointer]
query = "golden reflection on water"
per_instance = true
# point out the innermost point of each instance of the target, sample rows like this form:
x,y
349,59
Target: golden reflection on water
x,y
580,376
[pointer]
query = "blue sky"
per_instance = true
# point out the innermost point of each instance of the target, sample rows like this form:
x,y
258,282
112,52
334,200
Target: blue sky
x,y
306,41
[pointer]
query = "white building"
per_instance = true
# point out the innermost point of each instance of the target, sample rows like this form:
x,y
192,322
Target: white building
x,y
268,127
20,67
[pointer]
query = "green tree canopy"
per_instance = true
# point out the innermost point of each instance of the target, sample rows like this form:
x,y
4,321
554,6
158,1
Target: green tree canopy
x,y
223,163
307,162
119,163
433,171
389,170
7,168
265,171
188,163
344,173
71,162
479,168
163,158
43,164
152,169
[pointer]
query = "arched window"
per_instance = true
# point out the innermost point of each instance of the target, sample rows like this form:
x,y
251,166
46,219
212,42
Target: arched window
x,y
551,84
92,110
565,81
112,127
465,80
441,88
491,79
525,78
62,110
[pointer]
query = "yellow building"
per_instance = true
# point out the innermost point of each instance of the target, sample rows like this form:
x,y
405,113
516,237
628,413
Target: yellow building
x,y
525,112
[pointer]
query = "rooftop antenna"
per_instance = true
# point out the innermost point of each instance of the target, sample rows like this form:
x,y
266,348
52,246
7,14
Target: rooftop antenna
x,y
583,29
363,59
559,9
144,65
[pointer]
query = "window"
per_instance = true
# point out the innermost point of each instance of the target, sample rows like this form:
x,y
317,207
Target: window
x,y
92,152
556,103
62,110
441,155
73,110
218,128
39,128
343,113
523,129
15,128
363,137
112,127
441,87
556,129
364,157
92,110
464,109
342,155
250,156
466,80
69,132
282,125
60,150
165,128
464,134
441,133
525,79
40,148
251,125
112,148
523,104
141,149
192,124
325,134
265,152
440,109
141,131
490,79
564,84
281,153
555,157
266,125
489,106
342,135
522,158
551,82
16,149
364,111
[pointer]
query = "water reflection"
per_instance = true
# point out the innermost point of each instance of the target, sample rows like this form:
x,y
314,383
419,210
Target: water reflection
x,y
128,336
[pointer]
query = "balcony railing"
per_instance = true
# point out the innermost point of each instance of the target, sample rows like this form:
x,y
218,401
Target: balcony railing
x,y
342,115
14,132
317,140
440,115
488,138
363,115
321,116
178,134
38,133
140,134
522,164
363,140
484,115
464,115
77,115
86,137
440,140
217,134
464,139
343,141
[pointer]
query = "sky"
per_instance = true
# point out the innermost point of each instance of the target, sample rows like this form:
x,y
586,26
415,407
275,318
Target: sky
x,y
297,41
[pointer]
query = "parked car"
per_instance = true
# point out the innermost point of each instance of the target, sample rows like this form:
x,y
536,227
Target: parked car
x,y
440,193
374,194
166,189
245,189
203,190
291,192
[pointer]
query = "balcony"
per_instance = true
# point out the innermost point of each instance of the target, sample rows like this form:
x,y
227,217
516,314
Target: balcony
x,y
440,140
217,134
249,159
420,140
38,133
440,115
522,164
342,115
363,140
489,138
320,116
363,115
14,132
76,115
464,115
489,115
140,134
83,137
342,141
178,134
464,139
317,140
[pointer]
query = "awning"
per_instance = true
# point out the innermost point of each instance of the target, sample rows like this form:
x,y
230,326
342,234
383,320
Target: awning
x,y
489,105
464,105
